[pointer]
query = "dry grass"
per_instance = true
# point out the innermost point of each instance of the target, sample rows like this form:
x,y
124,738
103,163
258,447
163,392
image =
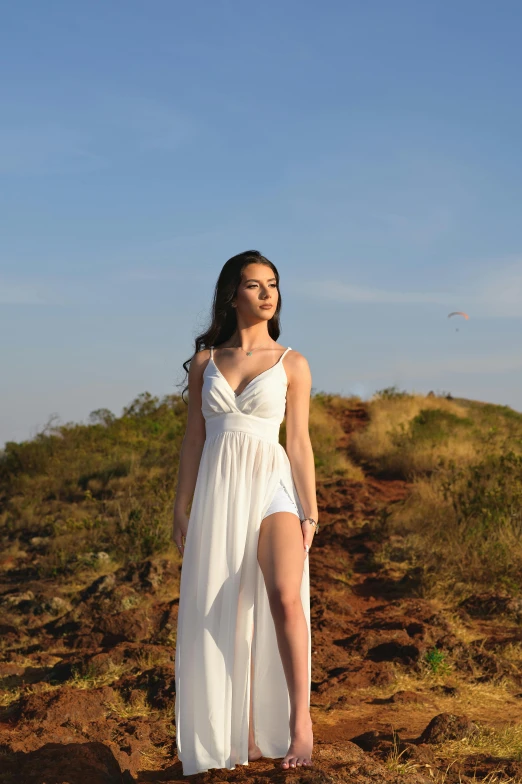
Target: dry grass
x,y
129,709
462,520
9,696
153,658
381,443
462,546
513,652
325,434
487,698
505,743
93,678
156,757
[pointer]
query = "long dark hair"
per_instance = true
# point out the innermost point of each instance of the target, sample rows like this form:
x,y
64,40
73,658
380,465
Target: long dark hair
x,y
224,317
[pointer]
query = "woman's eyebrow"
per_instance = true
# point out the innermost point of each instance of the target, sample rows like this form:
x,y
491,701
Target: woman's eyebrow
x,y
256,280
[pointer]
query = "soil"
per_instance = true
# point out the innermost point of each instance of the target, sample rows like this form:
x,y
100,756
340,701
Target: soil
x,y
402,685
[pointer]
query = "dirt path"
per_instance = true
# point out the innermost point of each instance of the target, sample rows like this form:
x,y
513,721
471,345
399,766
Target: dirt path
x,y
87,671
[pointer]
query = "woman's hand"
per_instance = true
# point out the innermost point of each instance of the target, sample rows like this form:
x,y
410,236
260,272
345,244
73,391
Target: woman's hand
x,y
179,530
308,534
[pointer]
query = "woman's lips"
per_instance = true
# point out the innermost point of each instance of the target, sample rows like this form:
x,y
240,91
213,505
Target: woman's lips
x,y
267,307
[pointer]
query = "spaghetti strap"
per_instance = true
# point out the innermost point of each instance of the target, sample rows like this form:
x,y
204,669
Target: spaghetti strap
x,y
211,352
285,352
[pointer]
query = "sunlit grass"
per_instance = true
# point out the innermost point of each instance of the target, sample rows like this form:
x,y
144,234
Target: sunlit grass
x,y
128,709
155,757
505,742
487,697
92,677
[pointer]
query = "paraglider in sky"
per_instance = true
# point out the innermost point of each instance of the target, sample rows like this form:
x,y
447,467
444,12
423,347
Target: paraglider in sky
x,y
458,313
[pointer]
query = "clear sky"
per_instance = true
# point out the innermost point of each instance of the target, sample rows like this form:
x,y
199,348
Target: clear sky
x,y
370,149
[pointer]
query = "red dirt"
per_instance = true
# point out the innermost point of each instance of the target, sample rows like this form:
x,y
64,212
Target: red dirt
x,y
373,689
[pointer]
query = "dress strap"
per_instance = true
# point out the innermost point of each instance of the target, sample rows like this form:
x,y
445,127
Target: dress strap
x,y
284,352
211,352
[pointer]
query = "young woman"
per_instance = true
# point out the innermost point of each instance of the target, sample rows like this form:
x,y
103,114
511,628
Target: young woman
x,y
243,649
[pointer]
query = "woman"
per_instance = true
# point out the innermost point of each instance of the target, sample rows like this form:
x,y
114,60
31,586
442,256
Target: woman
x,y
243,648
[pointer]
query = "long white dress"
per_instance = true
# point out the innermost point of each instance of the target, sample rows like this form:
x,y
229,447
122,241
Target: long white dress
x,y
222,590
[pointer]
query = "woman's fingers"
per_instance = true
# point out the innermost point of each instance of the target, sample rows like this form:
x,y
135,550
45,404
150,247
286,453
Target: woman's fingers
x,y
308,535
178,540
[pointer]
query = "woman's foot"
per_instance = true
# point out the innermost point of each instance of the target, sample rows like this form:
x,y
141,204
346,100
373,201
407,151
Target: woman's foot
x,y
300,751
254,752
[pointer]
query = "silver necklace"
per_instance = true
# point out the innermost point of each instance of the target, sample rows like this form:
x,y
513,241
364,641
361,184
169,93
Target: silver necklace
x,y
248,353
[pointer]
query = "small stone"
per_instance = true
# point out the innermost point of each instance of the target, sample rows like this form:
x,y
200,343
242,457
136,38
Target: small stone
x,y
14,599
447,726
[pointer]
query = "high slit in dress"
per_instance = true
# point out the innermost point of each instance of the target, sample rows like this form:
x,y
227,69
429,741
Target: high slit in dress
x,y
224,615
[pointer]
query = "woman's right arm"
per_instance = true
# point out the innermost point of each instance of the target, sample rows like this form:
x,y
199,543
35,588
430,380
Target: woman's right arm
x,y
191,449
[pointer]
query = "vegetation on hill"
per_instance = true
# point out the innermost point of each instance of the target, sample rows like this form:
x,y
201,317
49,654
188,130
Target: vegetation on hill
x,y
463,516
108,486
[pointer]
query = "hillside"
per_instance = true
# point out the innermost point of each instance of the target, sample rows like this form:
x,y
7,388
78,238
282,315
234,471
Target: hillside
x,y
415,584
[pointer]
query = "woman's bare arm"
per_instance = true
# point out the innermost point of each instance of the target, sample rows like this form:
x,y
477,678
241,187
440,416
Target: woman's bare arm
x,y
191,447
298,444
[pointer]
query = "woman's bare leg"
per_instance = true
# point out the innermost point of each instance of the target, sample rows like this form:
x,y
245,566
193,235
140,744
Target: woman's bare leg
x,y
281,557
254,752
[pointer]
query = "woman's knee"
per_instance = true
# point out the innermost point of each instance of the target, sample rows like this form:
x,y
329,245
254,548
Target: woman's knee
x,y
285,602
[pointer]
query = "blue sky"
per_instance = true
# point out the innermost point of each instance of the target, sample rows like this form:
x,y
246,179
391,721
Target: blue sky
x,y
371,150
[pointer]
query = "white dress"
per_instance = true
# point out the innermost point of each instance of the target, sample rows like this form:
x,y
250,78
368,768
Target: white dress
x,y
222,590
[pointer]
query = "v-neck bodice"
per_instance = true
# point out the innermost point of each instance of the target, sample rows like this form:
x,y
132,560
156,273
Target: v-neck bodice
x,y
263,400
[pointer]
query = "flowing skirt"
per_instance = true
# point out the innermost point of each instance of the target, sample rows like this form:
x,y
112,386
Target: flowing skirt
x,y
223,600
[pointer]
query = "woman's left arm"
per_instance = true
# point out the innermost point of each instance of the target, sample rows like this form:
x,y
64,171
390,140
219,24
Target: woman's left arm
x,y
298,444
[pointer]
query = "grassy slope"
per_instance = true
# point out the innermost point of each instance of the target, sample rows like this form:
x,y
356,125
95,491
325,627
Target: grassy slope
x,y
109,486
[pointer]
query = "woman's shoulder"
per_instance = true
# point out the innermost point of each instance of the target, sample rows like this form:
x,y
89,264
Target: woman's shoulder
x,y
296,357
200,360
297,367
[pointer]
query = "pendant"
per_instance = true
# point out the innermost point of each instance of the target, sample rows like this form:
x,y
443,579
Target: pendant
x,y
249,353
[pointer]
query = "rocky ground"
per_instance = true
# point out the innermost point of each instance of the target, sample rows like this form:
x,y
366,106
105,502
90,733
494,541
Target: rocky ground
x,y
404,688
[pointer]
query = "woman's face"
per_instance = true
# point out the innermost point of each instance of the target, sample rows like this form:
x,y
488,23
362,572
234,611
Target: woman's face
x,y
257,290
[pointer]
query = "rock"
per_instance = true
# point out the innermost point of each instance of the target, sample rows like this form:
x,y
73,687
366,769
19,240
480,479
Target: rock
x,y
447,726
359,675
40,541
395,650
149,575
67,704
344,761
371,740
491,605
77,763
55,605
96,559
421,753
384,645
20,601
158,684
102,584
